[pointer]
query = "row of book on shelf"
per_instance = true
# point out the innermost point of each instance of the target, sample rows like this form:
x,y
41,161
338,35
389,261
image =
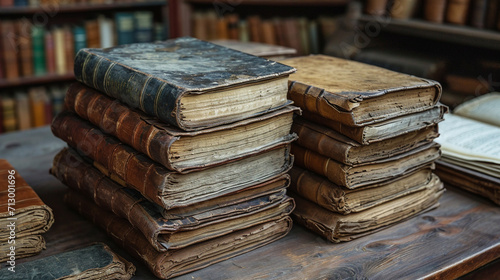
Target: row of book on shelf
x,y
37,3
34,50
31,107
224,178
300,33
483,14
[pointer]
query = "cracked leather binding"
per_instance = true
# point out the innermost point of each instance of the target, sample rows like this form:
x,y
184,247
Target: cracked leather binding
x,y
173,263
158,77
94,262
32,216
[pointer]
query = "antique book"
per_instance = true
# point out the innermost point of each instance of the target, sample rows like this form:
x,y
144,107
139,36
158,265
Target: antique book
x,y
59,51
8,104
174,148
324,193
403,9
470,180
384,130
38,42
483,108
434,10
171,189
37,97
31,215
234,86
25,246
214,218
50,56
254,26
232,26
124,28
96,261
143,27
345,91
181,261
337,227
92,33
471,144
23,113
69,49
24,45
492,13
10,49
257,49
478,16
367,173
457,11
80,37
376,7
330,143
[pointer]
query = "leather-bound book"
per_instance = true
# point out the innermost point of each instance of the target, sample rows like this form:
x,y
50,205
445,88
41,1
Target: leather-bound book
x,y
255,27
25,246
434,10
173,148
199,26
355,176
479,11
32,217
166,234
8,113
324,193
10,49
346,91
291,34
38,42
163,79
164,187
92,32
403,9
376,7
268,34
23,113
60,51
457,11
23,29
50,56
492,13
37,106
69,49
80,38
384,130
334,145
221,31
232,26
93,262
143,27
173,263
336,227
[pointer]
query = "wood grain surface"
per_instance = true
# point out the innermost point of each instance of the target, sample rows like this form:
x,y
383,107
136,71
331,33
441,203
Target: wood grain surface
x,y
460,236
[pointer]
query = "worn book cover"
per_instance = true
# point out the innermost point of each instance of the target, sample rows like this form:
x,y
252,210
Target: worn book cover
x,y
25,246
324,193
186,82
173,263
357,94
171,233
96,261
332,144
336,227
368,173
169,189
174,148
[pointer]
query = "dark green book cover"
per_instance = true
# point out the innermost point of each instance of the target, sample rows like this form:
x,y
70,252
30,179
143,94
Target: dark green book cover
x,y
125,27
156,77
38,43
80,38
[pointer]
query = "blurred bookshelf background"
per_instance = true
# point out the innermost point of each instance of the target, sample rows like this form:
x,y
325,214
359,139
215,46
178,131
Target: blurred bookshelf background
x,y
453,42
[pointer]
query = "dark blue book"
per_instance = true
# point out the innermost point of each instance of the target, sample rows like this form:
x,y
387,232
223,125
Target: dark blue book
x,y
143,26
80,38
186,82
125,28
20,3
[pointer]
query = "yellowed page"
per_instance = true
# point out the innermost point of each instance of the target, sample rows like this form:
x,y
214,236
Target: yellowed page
x,y
469,139
485,108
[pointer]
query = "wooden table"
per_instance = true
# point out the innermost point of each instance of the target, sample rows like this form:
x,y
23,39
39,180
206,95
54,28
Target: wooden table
x,y
460,236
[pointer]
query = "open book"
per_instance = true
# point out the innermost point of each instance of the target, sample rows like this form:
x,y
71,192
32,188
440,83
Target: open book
x,y
470,139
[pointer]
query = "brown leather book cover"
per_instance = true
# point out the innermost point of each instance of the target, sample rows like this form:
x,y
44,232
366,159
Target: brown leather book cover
x,y
69,49
37,97
404,9
321,191
92,32
332,144
222,29
50,56
470,180
177,262
166,188
199,26
347,92
384,130
457,11
336,227
23,31
10,49
174,148
232,26
291,33
268,34
376,7
9,120
434,10
255,27
385,170
23,113
93,262
478,15
167,234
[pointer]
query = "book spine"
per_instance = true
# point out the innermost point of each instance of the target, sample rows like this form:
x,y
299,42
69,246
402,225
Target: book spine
x,y
92,32
6,3
106,33
321,165
243,33
59,51
222,32
10,49
120,162
143,31
125,27
69,49
23,111
136,89
50,56
376,7
25,48
38,44
80,37
403,9
1,117
492,14
434,10
318,190
254,25
478,17
9,114
105,193
268,35
457,11
116,119
37,106
232,26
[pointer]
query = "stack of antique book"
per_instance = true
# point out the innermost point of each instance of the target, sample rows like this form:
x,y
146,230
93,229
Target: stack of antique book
x,y
187,141
23,217
365,154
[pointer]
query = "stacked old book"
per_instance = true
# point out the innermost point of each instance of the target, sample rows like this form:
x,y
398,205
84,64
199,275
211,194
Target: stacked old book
x,y
179,150
365,154
23,217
